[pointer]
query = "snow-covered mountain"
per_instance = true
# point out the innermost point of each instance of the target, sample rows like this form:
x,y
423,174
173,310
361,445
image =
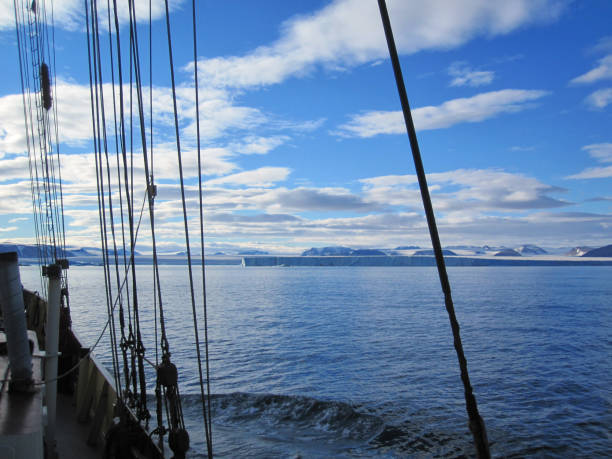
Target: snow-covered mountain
x,y
578,251
530,249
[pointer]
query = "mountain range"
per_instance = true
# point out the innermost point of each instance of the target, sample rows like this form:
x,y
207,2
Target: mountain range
x,y
32,251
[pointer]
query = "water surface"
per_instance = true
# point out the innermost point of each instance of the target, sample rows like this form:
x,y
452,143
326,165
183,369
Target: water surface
x,y
358,362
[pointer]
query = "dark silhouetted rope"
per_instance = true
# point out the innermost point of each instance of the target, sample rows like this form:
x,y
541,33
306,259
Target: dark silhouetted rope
x,y
186,225
476,422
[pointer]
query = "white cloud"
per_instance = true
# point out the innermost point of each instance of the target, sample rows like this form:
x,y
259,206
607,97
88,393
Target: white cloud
x,y
522,148
18,219
262,177
326,199
600,98
602,152
480,206
218,114
593,173
14,168
385,211
259,145
463,75
349,32
465,190
388,211
604,45
472,109
602,72
16,198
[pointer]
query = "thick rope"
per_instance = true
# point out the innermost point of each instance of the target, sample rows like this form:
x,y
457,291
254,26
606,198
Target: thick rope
x,y
476,422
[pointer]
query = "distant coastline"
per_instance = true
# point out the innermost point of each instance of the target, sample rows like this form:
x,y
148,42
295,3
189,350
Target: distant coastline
x,y
526,255
420,261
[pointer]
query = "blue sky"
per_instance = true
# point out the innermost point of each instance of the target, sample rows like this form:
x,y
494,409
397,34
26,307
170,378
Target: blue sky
x,y
303,139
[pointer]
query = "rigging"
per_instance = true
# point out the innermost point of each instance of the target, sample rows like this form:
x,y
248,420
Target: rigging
x,y
477,425
121,191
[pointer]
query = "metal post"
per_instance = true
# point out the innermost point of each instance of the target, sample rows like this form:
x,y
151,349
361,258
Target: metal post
x,y
51,350
13,311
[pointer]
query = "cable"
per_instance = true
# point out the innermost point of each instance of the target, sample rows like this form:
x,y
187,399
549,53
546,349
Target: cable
x,y
186,227
476,422
205,405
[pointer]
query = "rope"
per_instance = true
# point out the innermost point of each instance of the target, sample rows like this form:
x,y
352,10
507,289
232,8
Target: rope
x,y
41,128
134,49
138,352
207,425
477,426
171,391
94,78
123,341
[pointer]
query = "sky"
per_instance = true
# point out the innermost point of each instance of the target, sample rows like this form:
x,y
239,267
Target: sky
x,y
301,130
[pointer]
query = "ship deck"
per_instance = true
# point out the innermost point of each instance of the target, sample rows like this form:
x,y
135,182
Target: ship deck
x,y
21,416
72,435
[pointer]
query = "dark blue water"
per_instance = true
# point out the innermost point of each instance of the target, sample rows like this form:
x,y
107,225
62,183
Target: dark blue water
x,y
359,362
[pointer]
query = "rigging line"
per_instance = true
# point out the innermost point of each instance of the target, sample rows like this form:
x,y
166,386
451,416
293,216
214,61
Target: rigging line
x,y
44,46
136,60
57,179
197,100
42,118
99,101
110,199
34,49
126,183
54,185
190,268
55,111
165,345
131,130
23,95
100,182
158,392
123,238
152,156
476,424
45,27
123,345
33,42
25,117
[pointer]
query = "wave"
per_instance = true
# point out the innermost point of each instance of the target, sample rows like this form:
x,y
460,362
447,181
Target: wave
x,y
330,418
248,424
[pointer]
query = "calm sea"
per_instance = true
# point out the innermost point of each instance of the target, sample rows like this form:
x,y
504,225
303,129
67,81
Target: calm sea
x,y
359,362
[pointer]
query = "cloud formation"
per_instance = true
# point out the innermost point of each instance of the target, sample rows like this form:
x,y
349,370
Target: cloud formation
x,y
250,203
263,177
347,33
470,190
463,110
601,152
599,99
464,75
603,71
